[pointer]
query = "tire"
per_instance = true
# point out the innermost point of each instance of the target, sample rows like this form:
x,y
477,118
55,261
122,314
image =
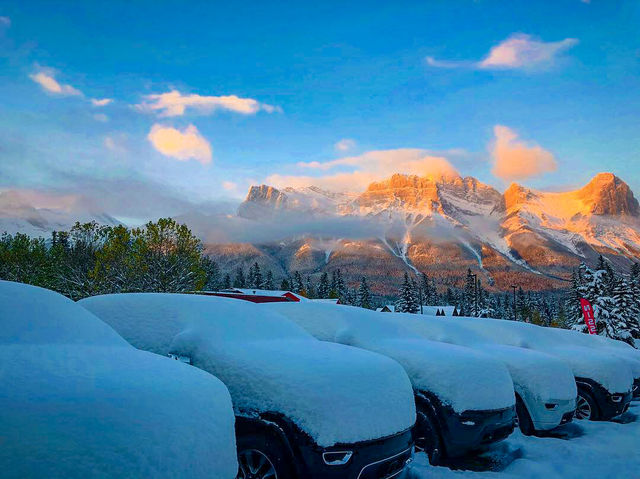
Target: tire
x,y
524,418
428,439
586,407
263,456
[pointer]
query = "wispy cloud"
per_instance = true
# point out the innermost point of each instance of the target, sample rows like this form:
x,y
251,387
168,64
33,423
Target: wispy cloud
x,y
101,101
182,145
519,51
355,173
345,144
46,79
5,21
174,103
516,160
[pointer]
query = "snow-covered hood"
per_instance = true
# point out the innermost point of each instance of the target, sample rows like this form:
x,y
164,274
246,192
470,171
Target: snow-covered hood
x,y
544,377
335,393
460,377
77,401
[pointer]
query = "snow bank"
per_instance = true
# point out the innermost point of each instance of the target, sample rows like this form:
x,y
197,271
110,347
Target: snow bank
x,y
610,371
590,449
460,377
78,401
333,392
542,376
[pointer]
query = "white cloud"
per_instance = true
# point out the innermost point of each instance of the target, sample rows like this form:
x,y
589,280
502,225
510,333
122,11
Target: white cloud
x,y
355,173
181,145
101,101
47,81
517,160
345,144
519,51
174,103
6,21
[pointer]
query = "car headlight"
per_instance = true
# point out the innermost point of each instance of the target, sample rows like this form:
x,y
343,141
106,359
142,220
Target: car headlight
x,y
616,397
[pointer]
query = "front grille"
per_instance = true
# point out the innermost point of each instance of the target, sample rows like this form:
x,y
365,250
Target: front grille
x,y
387,468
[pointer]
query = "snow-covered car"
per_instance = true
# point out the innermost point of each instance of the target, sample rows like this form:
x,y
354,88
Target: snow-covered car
x,y
304,408
604,380
464,399
76,400
617,348
544,385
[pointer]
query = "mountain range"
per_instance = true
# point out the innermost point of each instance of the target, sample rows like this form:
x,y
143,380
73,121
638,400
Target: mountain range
x,y
440,225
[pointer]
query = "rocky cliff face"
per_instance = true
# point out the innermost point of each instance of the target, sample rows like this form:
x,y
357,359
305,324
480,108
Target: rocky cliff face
x,y
444,225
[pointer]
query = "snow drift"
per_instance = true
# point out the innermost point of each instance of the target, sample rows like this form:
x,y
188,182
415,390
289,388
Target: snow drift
x,y
460,377
335,393
77,401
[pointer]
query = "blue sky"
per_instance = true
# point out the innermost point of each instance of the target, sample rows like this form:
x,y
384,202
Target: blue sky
x,y
543,93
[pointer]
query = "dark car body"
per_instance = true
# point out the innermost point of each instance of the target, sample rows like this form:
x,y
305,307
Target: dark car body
x,y
609,404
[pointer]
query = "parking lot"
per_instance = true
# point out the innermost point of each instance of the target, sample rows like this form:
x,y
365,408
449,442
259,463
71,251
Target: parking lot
x,y
582,449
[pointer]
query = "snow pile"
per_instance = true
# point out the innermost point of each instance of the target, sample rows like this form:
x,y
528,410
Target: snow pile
x,y
590,449
77,401
460,377
333,392
544,377
611,372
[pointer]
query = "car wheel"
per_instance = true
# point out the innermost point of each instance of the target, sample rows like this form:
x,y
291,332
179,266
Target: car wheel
x,y
428,439
524,418
586,407
261,456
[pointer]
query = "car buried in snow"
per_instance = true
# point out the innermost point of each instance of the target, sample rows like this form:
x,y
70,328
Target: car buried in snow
x,y
544,385
464,399
304,408
76,400
604,380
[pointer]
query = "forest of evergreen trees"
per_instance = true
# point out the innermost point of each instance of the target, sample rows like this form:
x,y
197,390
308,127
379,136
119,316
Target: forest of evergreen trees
x,y
165,256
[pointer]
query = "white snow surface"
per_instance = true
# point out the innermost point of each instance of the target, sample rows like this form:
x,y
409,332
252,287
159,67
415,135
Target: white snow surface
x,y
77,401
335,393
612,372
543,376
588,449
460,377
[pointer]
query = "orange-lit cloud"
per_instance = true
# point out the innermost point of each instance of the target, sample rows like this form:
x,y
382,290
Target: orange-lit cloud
x,y
48,82
174,103
517,160
182,145
101,101
519,51
366,168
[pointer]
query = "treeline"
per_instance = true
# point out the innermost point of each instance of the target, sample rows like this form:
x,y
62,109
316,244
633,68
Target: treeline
x,y
615,299
544,309
326,287
91,259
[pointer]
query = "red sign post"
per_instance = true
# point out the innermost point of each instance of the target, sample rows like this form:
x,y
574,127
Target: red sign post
x,y
589,319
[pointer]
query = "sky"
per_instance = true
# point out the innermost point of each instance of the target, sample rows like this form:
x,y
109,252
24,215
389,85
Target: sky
x,y
144,108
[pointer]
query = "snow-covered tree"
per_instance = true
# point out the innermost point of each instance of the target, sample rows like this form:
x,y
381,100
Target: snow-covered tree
x,y
297,285
268,281
239,281
407,302
364,295
323,286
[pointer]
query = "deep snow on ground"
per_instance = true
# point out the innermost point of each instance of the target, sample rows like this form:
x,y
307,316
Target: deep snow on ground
x,y
581,450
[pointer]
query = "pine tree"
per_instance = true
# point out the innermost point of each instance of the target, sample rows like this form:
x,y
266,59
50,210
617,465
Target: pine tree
x,y
297,282
226,282
285,285
323,286
407,303
255,276
213,281
268,281
239,281
364,295
309,290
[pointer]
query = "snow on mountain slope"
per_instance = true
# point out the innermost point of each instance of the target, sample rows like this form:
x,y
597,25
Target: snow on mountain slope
x,y
18,214
536,233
